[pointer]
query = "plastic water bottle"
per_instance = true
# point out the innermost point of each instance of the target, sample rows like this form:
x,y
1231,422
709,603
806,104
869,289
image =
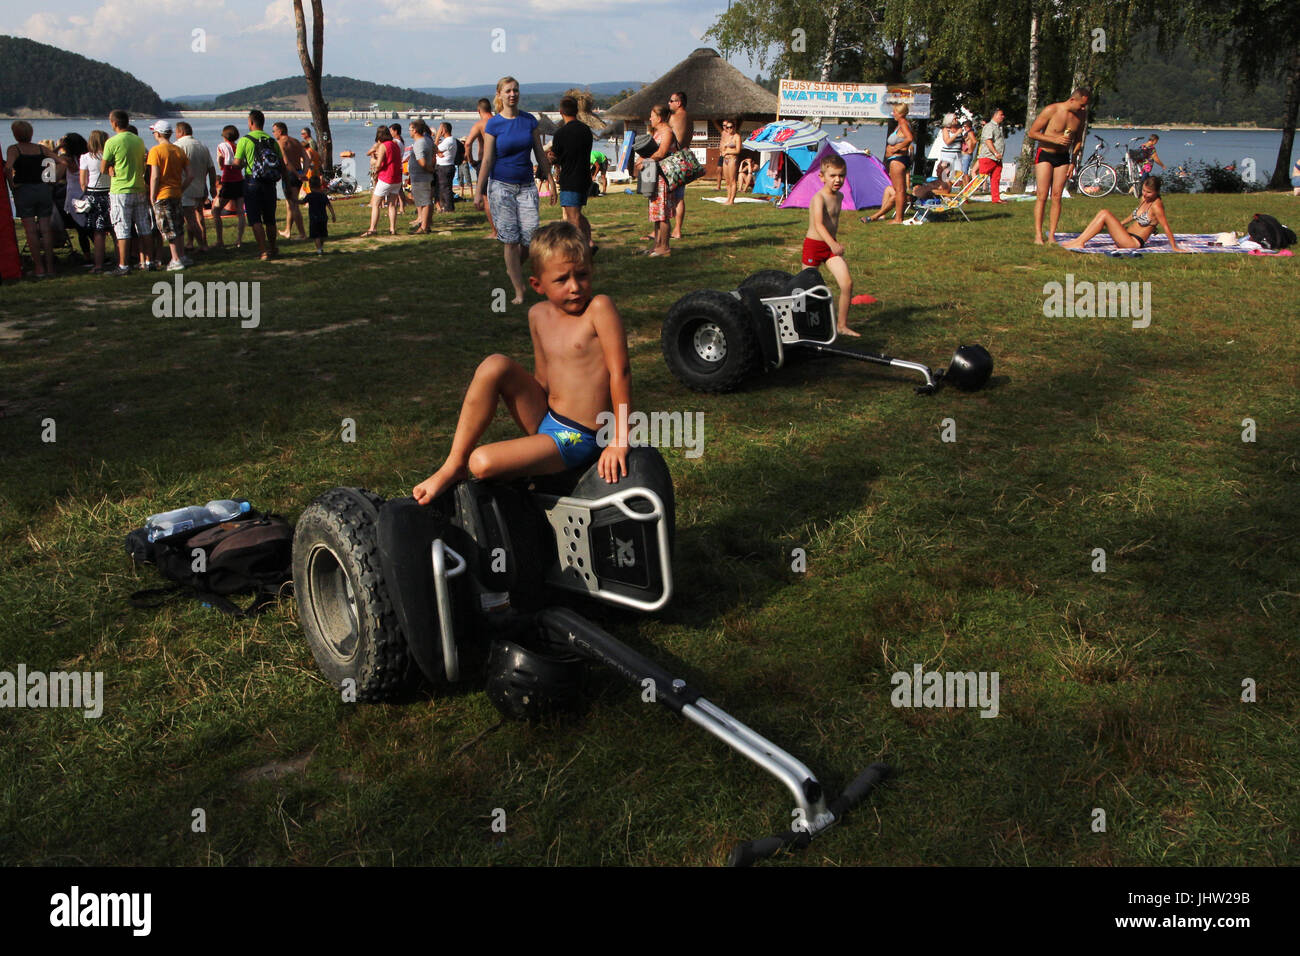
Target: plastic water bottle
x,y
187,519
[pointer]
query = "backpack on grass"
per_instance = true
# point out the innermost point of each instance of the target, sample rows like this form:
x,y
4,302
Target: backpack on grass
x,y
1270,233
253,553
267,166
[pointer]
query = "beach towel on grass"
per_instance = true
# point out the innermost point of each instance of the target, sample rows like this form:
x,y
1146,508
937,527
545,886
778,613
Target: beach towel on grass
x,y
1190,242
723,199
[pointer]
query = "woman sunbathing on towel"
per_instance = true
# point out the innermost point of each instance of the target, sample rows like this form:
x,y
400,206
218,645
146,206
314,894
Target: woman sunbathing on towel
x,y
1149,213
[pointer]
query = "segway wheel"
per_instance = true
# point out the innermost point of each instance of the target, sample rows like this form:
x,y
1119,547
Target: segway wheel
x,y
769,283
709,341
524,684
344,607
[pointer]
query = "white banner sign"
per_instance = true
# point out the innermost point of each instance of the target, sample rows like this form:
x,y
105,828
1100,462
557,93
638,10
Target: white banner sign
x,y
850,100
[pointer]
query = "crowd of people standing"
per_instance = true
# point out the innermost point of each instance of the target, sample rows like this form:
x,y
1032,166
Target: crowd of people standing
x,y
154,198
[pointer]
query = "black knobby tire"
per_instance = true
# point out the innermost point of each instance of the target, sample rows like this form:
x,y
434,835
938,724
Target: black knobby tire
x,y
769,283
709,341
343,605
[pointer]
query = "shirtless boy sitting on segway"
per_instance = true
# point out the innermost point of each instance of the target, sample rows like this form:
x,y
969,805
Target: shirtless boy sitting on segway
x,y
1057,131
580,370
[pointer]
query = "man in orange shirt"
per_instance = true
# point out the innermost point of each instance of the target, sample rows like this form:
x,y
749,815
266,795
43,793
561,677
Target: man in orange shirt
x,y
167,181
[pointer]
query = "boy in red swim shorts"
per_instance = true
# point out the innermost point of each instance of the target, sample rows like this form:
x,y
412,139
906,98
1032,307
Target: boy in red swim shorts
x,y
820,244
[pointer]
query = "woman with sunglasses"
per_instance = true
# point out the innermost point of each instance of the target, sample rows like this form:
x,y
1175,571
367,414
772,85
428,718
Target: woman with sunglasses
x,y
729,147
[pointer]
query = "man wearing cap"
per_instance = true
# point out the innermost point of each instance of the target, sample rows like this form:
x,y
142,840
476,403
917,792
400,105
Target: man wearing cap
x,y
169,177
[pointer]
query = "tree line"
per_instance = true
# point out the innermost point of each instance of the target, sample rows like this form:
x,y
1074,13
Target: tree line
x,y
1024,54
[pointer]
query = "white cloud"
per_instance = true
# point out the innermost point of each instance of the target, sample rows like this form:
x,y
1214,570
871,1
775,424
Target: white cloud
x,y
387,41
117,26
278,17
437,13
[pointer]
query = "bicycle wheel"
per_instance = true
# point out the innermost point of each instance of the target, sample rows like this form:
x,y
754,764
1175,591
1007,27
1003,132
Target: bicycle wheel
x,y
1096,181
1123,179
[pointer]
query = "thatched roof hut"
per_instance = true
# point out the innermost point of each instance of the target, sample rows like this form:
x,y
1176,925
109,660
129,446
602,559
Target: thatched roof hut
x,y
586,106
715,90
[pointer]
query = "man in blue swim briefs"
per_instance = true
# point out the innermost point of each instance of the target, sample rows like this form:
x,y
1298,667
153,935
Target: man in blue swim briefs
x,y
1056,130
580,370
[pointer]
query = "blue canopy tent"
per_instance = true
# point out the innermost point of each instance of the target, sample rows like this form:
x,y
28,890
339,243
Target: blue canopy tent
x,y
791,146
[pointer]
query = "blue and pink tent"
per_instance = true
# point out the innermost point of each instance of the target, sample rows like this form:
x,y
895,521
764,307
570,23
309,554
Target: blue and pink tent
x,y
790,146
864,182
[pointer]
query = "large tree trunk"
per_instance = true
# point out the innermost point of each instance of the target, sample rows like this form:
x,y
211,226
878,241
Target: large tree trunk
x,y
1023,167
832,38
311,68
1081,79
828,59
1282,172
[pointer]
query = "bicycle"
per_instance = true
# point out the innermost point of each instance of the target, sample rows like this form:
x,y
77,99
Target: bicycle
x,y
1129,176
1096,178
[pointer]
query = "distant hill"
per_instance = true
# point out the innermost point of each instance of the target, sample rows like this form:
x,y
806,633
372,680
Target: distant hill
x,y
1184,87
341,92
533,96
36,77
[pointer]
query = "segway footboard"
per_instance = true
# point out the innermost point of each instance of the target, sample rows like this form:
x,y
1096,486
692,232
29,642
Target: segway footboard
x,y
614,541
570,630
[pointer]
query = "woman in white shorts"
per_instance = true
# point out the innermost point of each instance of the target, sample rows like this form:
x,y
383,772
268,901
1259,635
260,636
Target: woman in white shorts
x,y
388,180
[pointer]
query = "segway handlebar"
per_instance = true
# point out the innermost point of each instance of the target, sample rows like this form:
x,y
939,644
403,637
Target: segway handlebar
x,y
751,851
931,384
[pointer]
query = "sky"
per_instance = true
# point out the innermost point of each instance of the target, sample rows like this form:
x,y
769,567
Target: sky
x,y
412,43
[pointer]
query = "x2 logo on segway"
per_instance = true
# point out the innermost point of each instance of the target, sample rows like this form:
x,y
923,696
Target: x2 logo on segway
x,y
620,553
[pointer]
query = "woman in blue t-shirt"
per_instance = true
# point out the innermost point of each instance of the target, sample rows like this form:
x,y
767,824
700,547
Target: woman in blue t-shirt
x,y
510,141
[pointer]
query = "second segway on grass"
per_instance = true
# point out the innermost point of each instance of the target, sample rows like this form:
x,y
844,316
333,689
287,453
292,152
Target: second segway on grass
x,y
715,341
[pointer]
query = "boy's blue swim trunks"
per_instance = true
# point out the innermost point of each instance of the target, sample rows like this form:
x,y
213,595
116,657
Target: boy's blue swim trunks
x,y
576,442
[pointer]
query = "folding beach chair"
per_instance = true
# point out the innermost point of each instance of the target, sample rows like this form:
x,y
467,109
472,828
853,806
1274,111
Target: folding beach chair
x,y
938,205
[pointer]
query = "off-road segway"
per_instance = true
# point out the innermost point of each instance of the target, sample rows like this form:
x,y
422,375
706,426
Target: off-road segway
x,y
714,341
471,588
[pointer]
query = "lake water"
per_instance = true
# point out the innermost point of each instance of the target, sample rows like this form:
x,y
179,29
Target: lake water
x,y
1176,146
1221,146
353,135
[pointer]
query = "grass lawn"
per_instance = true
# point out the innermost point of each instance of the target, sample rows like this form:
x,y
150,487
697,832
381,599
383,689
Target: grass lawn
x,y
1119,690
